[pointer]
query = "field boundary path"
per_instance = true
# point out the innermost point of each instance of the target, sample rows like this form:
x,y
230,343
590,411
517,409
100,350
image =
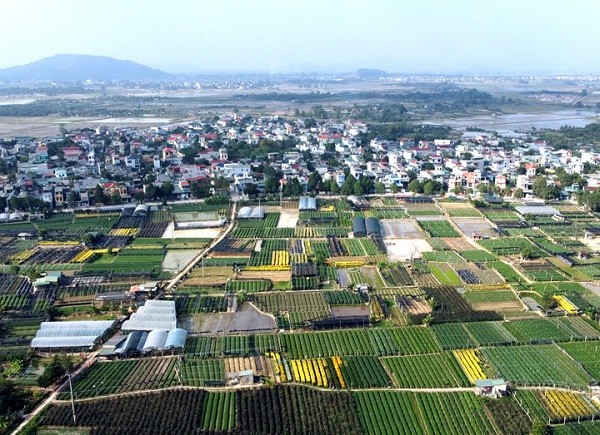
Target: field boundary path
x,y
187,269
52,397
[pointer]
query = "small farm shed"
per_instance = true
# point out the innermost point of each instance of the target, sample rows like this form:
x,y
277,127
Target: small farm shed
x,y
491,387
243,377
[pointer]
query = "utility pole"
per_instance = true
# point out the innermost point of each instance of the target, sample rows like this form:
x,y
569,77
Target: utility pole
x,y
72,400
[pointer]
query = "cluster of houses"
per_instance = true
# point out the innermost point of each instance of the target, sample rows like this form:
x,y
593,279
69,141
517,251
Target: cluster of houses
x,y
124,163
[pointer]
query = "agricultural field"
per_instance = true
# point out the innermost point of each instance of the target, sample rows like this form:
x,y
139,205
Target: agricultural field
x,y
445,274
295,308
542,271
426,371
395,274
478,256
474,227
438,228
442,257
587,354
201,372
511,246
489,333
546,330
453,336
457,209
148,261
363,372
106,378
392,341
498,300
557,406
536,365
450,306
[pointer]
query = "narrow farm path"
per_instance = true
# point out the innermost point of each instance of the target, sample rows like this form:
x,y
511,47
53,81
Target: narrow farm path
x,y
52,397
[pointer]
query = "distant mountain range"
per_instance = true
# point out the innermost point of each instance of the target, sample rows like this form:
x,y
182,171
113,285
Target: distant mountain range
x,y
79,67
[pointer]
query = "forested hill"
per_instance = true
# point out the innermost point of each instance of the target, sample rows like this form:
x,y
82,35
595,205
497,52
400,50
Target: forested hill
x,y
76,67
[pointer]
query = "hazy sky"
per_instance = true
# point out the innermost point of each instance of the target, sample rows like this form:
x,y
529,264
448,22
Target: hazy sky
x,y
437,36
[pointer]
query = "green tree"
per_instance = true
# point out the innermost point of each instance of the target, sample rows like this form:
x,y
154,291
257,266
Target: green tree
x,y
379,188
250,189
200,188
540,187
315,182
428,187
73,198
358,189
167,189
271,184
394,188
415,186
335,188
293,188
518,193
348,187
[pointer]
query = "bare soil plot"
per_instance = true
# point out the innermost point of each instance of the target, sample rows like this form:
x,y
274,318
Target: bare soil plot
x,y
406,249
460,243
497,306
413,305
275,276
261,365
209,277
248,318
199,233
288,218
425,279
400,229
475,226
176,260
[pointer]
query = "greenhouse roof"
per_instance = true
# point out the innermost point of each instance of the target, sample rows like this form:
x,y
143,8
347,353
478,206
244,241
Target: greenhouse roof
x,y
70,334
176,338
153,315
